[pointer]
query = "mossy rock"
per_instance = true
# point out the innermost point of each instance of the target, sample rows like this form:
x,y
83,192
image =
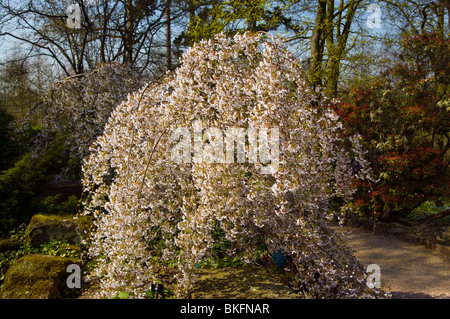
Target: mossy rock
x,y
35,277
7,244
45,228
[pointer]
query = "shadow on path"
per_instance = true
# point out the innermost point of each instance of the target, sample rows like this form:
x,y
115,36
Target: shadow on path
x,y
410,271
240,283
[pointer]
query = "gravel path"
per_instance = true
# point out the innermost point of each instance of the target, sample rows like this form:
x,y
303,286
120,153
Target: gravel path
x,y
410,271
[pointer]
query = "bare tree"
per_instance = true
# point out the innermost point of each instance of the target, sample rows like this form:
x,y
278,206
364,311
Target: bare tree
x,y
42,25
21,84
82,34
419,16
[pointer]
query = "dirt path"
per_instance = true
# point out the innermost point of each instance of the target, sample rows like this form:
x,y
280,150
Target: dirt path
x,y
409,270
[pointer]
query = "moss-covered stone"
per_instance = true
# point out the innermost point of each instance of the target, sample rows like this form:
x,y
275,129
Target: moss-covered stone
x,y
45,228
35,277
7,244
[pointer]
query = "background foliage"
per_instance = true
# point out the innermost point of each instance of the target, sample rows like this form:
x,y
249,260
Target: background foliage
x,y
404,116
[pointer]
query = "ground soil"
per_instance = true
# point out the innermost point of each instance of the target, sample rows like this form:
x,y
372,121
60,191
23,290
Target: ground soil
x,y
251,282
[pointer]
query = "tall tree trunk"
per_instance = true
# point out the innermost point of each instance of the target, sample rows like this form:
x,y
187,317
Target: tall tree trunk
x,y
333,60
441,14
314,72
104,32
168,37
128,40
336,46
191,11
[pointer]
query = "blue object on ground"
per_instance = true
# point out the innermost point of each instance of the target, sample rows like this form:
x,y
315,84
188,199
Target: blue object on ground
x,y
279,259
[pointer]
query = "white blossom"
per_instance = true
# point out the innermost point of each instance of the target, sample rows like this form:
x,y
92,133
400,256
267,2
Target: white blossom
x,y
137,192
79,107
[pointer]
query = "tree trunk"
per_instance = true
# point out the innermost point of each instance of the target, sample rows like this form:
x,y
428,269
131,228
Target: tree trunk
x,y
441,14
434,217
104,32
168,37
128,40
314,72
337,47
333,55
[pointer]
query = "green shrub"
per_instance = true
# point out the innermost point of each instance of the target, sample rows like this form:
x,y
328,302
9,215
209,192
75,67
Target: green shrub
x,y
402,117
21,184
8,146
51,205
430,208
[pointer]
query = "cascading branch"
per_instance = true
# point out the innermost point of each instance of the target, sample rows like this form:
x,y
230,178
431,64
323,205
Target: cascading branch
x,y
79,107
138,193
